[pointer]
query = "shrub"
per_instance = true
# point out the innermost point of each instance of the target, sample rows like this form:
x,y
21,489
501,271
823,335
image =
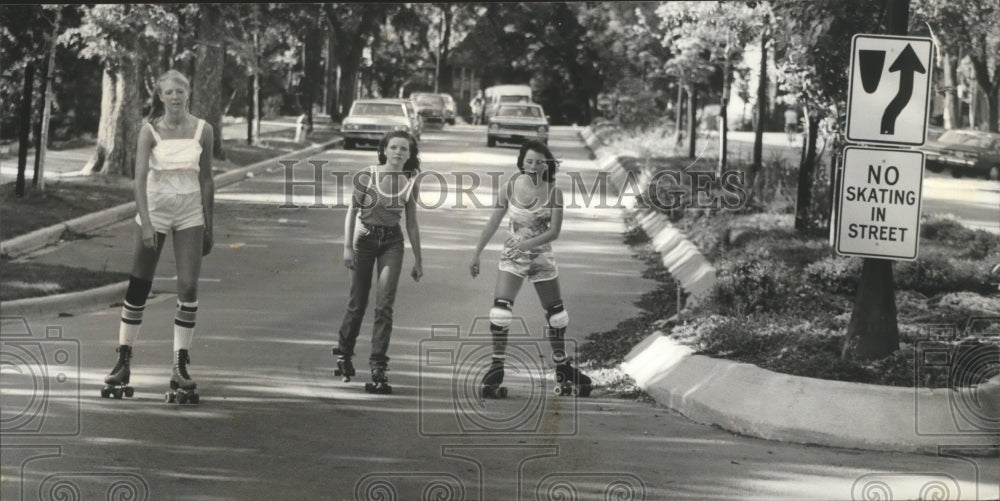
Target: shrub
x,y
749,283
836,275
935,273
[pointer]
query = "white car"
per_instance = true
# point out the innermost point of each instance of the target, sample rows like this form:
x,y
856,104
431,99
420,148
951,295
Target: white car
x,y
513,123
370,119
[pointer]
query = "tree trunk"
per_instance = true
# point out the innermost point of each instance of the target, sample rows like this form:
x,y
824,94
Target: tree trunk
x,y
680,116
37,129
24,128
692,93
447,85
331,76
806,169
724,116
47,106
121,115
952,115
250,111
206,101
256,89
760,114
313,71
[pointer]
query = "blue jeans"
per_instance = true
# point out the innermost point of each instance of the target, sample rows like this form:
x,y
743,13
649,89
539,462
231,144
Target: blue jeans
x,y
381,248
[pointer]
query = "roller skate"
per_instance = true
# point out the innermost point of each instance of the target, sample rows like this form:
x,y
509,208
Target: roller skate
x,y
491,385
117,382
380,383
182,387
345,368
570,381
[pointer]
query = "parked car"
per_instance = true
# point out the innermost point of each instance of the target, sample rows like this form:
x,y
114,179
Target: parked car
x,y
513,123
430,107
370,119
449,109
965,152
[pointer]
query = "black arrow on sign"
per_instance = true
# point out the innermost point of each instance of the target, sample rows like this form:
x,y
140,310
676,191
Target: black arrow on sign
x,y
906,64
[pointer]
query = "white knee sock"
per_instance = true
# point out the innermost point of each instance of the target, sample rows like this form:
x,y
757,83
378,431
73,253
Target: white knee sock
x,y
184,321
131,323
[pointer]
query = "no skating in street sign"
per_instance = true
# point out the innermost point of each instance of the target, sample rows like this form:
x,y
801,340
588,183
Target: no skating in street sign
x,y
879,211
889,89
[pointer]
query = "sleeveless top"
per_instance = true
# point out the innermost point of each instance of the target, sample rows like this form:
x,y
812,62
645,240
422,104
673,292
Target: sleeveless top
x,y
376,207
528,223
174,164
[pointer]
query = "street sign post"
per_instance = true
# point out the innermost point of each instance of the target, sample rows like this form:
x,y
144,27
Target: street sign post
x,y
889,92
879,211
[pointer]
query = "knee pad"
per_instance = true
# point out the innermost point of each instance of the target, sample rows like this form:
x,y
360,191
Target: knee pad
x,y
557,316
501,314
138,290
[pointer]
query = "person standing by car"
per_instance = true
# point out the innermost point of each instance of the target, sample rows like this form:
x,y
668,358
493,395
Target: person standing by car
x,y
476,105
535,208
791,124
174,193
373,240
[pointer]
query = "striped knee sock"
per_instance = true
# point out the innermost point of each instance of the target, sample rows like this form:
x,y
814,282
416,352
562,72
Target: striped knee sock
x,y
131,323
184,321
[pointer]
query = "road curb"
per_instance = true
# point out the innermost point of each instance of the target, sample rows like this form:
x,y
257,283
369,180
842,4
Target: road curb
x,y
746,399
18,246
64,303
89,299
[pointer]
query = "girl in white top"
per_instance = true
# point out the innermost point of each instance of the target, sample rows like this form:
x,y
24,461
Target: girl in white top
x,y
174,193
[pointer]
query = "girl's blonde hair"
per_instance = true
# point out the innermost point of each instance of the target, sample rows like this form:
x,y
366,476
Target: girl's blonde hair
x,y
159,109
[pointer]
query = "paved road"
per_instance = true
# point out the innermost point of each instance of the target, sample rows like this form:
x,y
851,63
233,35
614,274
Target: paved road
x,y
275,424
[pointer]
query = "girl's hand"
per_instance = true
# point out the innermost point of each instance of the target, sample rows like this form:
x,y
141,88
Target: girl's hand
x,y
349,258
149,239
417,272
208,241
521,246
474,266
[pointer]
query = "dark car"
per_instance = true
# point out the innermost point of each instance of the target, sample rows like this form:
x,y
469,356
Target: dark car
x,y
965,152
430,107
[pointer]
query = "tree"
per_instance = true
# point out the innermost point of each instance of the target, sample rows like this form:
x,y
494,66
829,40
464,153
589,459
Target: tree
x,y
120,36
206,94
968,27
352,28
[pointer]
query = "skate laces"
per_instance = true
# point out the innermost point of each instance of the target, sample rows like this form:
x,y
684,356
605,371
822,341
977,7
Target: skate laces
x,y
181,365
124,354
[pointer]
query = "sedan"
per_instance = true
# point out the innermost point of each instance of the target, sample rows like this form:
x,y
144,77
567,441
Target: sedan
x,y
430,107
513,123
370,119
965,152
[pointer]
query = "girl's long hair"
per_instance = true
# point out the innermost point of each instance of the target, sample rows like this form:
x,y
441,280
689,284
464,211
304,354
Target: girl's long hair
x,y
538,147
159,109
412,165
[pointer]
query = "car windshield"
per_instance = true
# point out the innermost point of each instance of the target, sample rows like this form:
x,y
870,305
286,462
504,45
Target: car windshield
x,y
429,101
383,109
519,111
515,99
959,137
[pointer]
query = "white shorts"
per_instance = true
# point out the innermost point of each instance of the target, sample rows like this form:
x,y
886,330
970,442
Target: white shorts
x,y
172,212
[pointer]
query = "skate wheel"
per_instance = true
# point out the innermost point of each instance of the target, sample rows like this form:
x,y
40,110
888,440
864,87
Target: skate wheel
x,y
369,387
193,399
585,392
558,390
502,393
105,392
129,391
117,393
169,397
388,390
575,391
182,398
337,372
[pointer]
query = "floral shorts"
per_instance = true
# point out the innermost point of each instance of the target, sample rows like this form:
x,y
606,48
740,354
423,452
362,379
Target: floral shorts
x,y
536,266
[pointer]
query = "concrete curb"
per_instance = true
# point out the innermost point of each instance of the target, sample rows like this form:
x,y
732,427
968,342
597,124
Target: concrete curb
x,y
746,399
685,262
88,299
21,245
65,303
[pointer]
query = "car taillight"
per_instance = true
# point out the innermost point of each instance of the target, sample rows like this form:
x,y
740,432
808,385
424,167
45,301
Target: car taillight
x,y
494,126
542,128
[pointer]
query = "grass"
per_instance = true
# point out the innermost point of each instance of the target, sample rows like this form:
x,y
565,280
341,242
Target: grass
x,y
66,200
